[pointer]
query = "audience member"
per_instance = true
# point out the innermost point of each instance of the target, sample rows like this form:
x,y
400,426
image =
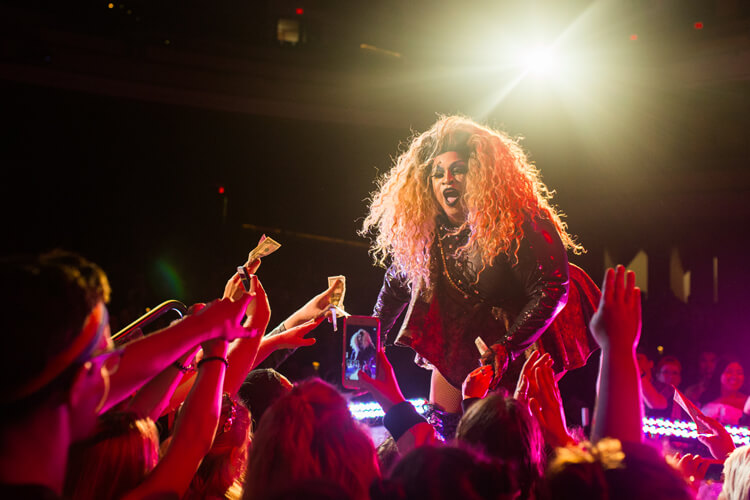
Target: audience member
x,y
310,434
118,457
617,465
504,429
261,388
222,471
658,395
56,381
724,399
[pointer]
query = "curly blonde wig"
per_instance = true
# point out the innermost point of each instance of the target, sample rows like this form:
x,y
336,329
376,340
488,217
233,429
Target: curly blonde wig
x,y
503,189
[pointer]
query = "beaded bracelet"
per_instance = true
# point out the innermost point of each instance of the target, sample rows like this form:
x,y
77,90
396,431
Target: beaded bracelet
x,y
213,358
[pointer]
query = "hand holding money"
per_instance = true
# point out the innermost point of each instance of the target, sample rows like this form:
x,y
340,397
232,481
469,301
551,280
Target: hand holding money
x,y
317,307
266,246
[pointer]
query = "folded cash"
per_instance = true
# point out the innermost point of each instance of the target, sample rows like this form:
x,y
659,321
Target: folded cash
x,y
481,346
337,297
267,246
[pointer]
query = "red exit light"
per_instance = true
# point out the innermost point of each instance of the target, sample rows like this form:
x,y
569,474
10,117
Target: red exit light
x,y
299,11
698,25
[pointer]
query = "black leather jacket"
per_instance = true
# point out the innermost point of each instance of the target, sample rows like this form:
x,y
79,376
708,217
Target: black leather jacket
x,y
510,303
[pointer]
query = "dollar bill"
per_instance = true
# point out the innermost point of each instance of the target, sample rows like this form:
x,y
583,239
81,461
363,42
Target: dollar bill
x,y
691,410
337,297
267,246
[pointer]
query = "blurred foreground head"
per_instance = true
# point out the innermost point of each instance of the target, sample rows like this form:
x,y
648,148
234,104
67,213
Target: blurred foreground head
x,y
610,470
310,434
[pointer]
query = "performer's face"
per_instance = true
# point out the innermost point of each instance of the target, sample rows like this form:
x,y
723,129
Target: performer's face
x,y
449,183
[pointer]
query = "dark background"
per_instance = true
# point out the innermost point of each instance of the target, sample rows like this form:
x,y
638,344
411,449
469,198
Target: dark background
x,y
119,129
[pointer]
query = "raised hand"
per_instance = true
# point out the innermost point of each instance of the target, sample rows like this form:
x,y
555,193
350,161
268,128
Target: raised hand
x,y
525,379
477,383
293,337
223,318
234,288
616,326
719,441
545,404
693,468
617,322
384,387
258,311
317,307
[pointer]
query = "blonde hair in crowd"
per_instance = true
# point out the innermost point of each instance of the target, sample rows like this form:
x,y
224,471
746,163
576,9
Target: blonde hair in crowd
x,y
737,475
503,189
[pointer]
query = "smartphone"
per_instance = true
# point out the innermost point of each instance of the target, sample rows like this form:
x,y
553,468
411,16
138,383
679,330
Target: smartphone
x,y
361,341
244,277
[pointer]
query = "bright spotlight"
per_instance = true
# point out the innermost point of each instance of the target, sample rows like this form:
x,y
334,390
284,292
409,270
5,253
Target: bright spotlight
x,y
541,61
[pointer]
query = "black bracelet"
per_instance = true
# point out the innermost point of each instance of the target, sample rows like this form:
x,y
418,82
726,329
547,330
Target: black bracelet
x,y
213,358
181,367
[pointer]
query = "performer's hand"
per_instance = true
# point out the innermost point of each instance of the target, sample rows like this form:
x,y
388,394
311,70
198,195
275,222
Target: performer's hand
x,y
477,382
497,357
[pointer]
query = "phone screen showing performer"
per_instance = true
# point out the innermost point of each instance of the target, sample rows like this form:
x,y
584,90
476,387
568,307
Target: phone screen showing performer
x,y
361,341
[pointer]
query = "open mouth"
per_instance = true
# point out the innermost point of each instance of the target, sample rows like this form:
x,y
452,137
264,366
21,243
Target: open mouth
x,y
451,196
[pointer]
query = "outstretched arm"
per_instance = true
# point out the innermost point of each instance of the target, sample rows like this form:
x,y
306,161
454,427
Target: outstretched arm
x,y
153,399
616,326
144,358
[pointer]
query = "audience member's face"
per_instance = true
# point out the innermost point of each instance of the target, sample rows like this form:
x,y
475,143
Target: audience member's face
x,y
670,374
733,377
645,364
449,184
707,364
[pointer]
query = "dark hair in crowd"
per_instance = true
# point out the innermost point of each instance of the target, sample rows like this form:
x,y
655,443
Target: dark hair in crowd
x,y
446,472
503,428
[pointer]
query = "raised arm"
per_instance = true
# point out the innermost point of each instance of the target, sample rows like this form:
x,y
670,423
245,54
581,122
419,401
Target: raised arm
x,y
194,430
409,429
242,352
144,358
616,326
153,399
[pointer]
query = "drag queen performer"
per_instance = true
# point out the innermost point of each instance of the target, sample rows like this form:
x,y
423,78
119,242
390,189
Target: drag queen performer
x,y
475,249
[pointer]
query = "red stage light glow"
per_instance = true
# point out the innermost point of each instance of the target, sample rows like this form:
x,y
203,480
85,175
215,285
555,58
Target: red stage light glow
x,y
221,189
299,11
698,25
634,37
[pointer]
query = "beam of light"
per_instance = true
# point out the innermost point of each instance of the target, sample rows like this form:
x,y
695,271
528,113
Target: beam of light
x,y
556,61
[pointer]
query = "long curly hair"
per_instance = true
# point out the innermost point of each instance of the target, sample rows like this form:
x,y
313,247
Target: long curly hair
x,y
503,189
